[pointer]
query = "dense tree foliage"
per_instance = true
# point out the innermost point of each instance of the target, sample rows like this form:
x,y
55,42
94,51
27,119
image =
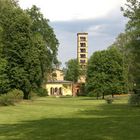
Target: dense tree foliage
x,y
122,45
72,71
132,12
4,82
28,47
41,27
106,73
44,35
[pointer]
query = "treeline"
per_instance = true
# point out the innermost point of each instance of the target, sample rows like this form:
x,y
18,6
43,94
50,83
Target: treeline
x,y
117,69
28,48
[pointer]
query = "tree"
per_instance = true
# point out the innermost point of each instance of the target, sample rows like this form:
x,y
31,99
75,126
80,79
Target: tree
x,y
26,57
4,81
40,26
16,40
122,44
48,53
132,12
105,73
72,71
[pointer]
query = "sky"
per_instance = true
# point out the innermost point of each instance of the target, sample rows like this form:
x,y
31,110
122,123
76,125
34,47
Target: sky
x,y
101,19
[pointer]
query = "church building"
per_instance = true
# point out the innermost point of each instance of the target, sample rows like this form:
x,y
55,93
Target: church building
x,y
56,85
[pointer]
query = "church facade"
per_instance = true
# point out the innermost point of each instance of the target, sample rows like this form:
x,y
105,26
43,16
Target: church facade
x,y
57,86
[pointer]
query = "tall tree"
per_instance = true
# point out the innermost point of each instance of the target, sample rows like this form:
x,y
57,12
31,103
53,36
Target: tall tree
x,y
122,44
16,40
48,53
132,12
24,49
40,26
4,81
105,73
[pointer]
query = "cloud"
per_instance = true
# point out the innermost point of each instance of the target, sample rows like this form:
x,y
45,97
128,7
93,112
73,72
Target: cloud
x,y
66,10
101,33
96,30
101,19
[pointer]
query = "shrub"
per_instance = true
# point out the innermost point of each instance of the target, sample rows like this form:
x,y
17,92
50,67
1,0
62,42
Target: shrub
x,y
82,90
41,92
6,100
95,94
134,100
11,97
92,94
15,94
109,100
32,94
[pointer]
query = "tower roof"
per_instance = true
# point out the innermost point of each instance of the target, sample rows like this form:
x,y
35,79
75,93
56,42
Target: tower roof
x,y
82,33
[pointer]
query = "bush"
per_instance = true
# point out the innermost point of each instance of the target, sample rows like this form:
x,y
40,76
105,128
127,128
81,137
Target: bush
x,y
94,94
6,100
41,92
134,100
15,94
109,100
32,95
82,90
11,97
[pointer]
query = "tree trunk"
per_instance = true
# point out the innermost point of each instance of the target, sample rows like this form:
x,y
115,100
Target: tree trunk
x,y
97,96
26,96
103,96
112,95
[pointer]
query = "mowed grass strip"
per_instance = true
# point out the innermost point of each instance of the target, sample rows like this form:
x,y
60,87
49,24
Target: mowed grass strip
x,y
80,118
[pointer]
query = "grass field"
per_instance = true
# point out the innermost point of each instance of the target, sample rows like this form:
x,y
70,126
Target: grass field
x,y
80,118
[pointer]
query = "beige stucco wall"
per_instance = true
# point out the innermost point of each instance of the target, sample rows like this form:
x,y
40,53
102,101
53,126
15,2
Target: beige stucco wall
x,y
66,88
59,75
82,79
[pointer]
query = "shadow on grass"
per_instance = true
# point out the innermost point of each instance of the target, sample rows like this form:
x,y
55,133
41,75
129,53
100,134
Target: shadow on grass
x,y
68,129
113,110
115,122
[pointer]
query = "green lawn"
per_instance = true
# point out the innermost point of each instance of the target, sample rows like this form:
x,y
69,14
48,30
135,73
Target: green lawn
x,y
80,118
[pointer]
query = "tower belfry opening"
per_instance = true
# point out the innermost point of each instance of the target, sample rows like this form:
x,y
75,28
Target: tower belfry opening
x,y
82,53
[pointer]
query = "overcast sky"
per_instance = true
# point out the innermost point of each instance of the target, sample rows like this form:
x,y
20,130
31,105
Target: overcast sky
x,y
101,19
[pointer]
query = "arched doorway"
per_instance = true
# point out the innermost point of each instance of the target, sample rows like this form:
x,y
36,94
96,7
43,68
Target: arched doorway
x,y
56,91
51,91
60,91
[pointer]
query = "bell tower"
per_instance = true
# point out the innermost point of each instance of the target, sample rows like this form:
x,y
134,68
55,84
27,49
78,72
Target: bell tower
x,y
82,53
